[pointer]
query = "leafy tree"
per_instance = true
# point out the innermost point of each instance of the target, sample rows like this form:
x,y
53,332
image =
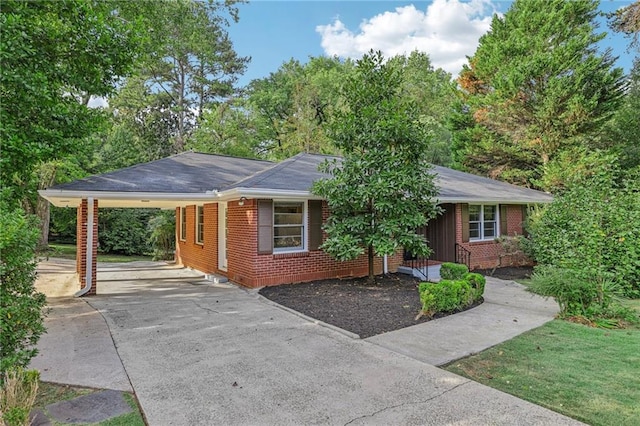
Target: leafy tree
x,y
435,94
193,62
54,55
21,306
536,86
289,109
621,134
382,189
592,226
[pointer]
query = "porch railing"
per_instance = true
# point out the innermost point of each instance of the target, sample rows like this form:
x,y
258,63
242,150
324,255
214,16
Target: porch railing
x,y
419,265
463,255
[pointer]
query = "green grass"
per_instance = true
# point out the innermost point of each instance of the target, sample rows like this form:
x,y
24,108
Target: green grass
x,y
49,393
590,374
68,251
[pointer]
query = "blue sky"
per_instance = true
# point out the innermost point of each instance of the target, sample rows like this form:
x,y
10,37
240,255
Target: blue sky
x,y
272,32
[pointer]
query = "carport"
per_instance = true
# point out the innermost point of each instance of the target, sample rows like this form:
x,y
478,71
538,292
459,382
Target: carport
x,y
183,179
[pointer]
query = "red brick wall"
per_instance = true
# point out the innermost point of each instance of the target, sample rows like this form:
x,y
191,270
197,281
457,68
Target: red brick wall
x,y
285,268
486,254
246,267
81,246
203,257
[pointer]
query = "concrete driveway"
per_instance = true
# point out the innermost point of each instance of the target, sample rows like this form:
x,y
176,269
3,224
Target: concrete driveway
x,y
203,354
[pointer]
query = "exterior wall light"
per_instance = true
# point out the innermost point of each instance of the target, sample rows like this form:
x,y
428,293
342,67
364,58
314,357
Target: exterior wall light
x,y
242,200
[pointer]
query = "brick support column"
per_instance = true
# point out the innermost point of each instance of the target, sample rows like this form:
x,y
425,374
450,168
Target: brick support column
x,y
81,252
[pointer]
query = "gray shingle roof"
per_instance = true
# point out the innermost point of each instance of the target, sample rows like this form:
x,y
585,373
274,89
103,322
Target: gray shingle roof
x,y
193,173
188,173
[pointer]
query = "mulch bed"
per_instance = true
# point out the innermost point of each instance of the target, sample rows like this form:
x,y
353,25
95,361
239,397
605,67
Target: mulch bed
x,y
508,273
351,304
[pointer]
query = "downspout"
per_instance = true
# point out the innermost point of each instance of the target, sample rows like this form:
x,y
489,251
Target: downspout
x,y
89,258
385,265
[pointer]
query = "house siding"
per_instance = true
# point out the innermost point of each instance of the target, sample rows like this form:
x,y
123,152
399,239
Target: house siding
x,y
203,257
490,253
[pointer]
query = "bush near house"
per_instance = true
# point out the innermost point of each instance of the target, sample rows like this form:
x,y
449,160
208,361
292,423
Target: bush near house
x,y
451,295
21,306
453,271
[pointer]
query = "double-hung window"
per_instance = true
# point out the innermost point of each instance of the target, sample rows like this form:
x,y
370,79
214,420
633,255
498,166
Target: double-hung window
x,y
288,226
199,224
483,222
183,223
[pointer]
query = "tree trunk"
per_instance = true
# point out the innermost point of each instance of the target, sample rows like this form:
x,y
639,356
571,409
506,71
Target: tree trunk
x,y
372,277
47,175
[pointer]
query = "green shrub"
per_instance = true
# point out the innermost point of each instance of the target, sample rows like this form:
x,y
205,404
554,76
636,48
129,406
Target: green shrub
x,y
477,282
581,293
21,306
453,271
162,229
124,231
592,226
445,296
570,288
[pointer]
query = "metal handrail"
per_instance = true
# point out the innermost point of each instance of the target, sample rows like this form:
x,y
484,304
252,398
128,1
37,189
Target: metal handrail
x,y
463,255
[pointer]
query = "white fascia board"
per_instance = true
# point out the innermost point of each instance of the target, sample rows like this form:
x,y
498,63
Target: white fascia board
x,y
66,198
236,193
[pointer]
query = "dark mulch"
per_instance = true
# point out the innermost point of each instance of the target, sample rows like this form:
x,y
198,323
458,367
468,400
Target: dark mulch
x,y
351,304
508,273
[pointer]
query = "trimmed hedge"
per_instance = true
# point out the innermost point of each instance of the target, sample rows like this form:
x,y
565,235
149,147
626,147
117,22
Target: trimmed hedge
x,y
453,271
451,295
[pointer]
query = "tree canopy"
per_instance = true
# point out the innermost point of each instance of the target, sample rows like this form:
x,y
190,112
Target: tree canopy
x,y
54,56
382,189
536,86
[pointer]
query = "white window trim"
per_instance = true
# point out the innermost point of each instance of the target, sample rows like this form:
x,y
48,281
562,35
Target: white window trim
x,y
305,227
197,222
183,224
481,230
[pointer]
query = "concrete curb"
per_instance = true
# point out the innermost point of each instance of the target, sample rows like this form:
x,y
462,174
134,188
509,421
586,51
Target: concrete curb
x,y
308,318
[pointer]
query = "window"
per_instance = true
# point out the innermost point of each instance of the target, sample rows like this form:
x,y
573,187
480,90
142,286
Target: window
x,y
483,222
183,223
199,224
288,226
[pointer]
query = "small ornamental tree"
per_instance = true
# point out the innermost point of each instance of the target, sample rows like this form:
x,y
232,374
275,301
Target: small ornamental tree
x,y
382,190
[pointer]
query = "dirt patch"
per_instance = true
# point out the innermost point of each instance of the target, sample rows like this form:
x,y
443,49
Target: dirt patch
x,y
351,304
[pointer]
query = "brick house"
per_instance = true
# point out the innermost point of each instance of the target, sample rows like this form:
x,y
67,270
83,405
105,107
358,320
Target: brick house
x,y
257,223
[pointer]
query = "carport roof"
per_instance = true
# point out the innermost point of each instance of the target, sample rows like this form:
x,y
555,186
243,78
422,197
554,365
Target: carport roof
x,y
195,178
188,173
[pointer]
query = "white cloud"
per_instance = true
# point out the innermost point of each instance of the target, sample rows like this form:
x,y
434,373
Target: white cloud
x,y
448,30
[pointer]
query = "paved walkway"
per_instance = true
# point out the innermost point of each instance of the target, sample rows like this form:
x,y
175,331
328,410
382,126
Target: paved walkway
x,y
216,354
508,310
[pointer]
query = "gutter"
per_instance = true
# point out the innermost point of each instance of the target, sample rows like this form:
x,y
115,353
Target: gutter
x,y
89,261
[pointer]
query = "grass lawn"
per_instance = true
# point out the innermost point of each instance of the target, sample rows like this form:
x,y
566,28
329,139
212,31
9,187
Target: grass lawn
x,y
49,393
68,251
590,374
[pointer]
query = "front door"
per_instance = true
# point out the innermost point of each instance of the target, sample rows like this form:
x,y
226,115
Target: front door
x,y
222,236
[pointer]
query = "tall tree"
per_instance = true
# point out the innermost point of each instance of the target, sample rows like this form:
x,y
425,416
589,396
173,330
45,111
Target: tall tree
x,y
290,107
435,94
193,62
382,189
54,54
536,86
